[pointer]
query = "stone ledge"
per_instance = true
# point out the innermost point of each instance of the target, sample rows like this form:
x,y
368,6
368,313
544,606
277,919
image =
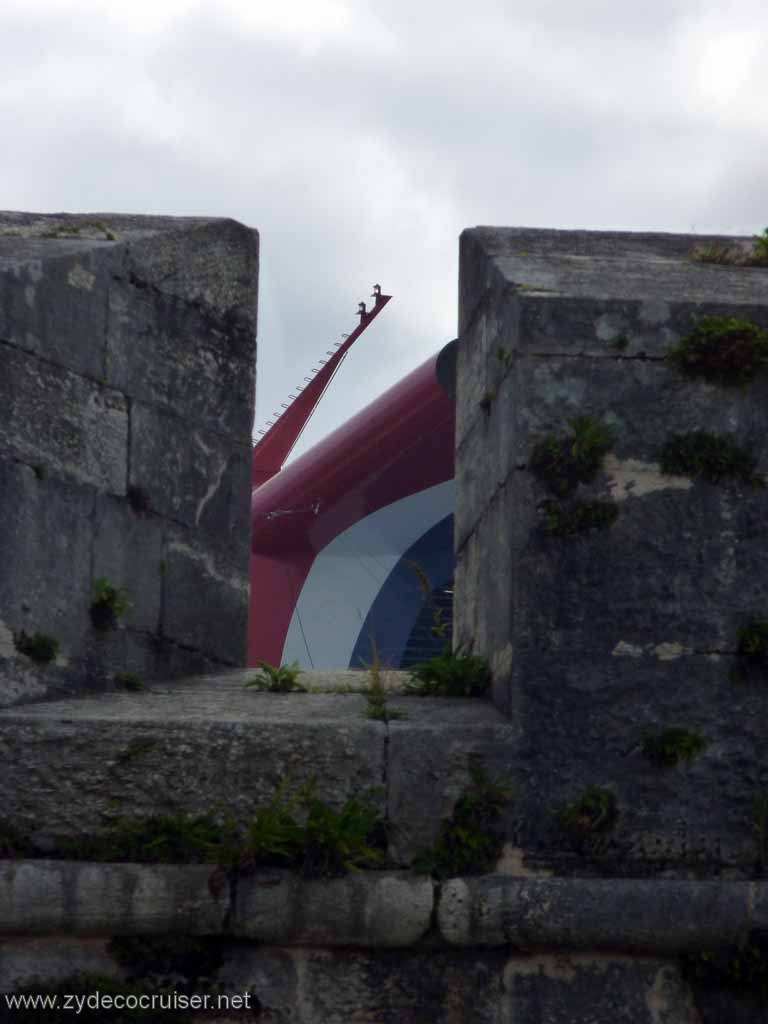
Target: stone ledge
x,y
70,763
39,897
380,910
627,914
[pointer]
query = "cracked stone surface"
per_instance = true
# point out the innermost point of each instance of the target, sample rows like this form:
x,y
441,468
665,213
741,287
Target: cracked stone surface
x,y
127,359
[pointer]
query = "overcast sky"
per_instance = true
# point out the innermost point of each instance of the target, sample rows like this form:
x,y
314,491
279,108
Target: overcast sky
x,y
360,138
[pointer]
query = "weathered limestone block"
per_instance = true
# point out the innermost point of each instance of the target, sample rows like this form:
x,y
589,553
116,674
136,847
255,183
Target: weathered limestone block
x,y
62,422
55,308
199,576
128,551
603,638
207,744
201,747
127,364
164,351
187,473
42,551
430,755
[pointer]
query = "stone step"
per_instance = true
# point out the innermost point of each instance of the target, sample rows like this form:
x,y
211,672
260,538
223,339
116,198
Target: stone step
x,y
208,744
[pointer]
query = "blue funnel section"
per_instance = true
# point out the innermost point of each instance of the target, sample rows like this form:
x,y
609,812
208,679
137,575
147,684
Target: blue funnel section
x,y
396,620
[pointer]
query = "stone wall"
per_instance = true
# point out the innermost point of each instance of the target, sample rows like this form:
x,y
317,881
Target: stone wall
x,y
127,362
389,947
612,613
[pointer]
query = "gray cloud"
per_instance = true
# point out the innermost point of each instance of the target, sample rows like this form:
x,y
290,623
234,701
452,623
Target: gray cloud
x,y
361,139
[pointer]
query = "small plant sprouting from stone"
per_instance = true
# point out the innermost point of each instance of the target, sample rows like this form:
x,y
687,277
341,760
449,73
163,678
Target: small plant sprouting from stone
x,y
486,402
178,838
376,695
39,647
723,254
723,350
277,678
564,519
451,674
562,463
74,230
620,343
136,748
13,844
752,651
753,642
110,603
505,357
712,457
299,831
130,681
440,624
594,811
470,841
672,746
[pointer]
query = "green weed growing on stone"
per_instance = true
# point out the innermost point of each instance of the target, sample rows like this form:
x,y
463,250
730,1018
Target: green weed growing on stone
x,y
109,604
277,678
712,457
564,519
470,841
376,694
12,843
673,746
295,830
130,681
336,842
486,402
75,230
451,674
723,350
136,748
722,254
440,625
752,652
171,838
594,811
505,357
562,463
301,832
39,647
753,642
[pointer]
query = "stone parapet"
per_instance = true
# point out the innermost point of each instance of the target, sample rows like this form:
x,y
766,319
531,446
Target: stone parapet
x,y
127,359
604,634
